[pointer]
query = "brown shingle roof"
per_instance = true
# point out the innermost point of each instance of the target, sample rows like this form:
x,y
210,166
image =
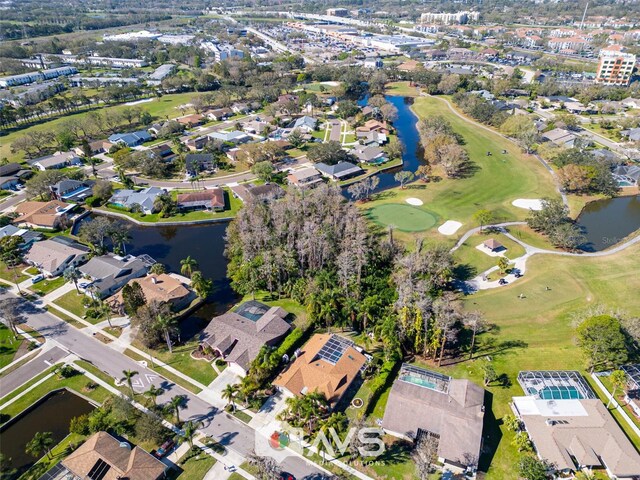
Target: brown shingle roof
x,y
310,373
163,288
130,463
39,213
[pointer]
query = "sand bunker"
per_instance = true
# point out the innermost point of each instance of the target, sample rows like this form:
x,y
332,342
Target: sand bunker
x,y
416,202
449,227
528,203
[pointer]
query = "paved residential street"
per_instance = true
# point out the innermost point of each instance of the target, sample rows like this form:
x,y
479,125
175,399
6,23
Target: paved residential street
x,y
224,428
31,369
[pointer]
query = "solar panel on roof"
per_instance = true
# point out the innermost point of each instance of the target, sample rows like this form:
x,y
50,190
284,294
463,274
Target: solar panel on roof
x,y
333,350
99,470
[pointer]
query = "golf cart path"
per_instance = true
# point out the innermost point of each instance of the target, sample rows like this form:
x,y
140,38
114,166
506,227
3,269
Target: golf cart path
x,y
488,129
480,283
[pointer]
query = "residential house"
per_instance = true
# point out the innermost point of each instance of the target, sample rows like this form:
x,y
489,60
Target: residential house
x,y
237,337
371,138
163,151
132,139
72,190
627,175
251,192
560,137
367,112
197,143
95,148
57,160
327,364
305,177
455,414
256,127
51,215
191,121
374,126
198,162
218,114
103,457
287,97
305,124
129,199
369,154
52,257
164,288
28,236
631,102
570,427
235,136
632,135
240,108
211,200
109,273
11,174
339,171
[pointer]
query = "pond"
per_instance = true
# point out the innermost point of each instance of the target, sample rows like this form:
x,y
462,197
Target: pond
x,y
52,414
606,222
407,131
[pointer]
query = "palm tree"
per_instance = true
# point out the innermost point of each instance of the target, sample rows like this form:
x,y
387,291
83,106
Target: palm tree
x,y
72,274
618,382
128,377
201,285
158,269
40,443
176,403
189,430
188,266
104,311
153,393
120,237
229,394
166,323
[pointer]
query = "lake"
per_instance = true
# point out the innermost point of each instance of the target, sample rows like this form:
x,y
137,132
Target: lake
x,y
50,414
606,222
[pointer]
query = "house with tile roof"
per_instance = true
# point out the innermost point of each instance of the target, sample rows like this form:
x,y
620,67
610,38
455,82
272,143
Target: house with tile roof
x,y
211,199
165,288
103,457
328,364
51,215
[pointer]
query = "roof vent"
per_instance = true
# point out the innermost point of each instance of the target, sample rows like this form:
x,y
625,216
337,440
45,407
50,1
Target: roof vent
x,y
550,422
154,280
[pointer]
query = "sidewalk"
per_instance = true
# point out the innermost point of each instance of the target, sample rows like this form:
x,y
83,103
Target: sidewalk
x,y
615,403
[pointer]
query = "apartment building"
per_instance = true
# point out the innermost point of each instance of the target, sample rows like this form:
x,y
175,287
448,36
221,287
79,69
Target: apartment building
x,y
450,18
615,66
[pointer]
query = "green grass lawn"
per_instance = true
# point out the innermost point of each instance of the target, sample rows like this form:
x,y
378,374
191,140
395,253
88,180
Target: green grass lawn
x,y
403,217
195,468
233,205
497,181
402,89
470,256
531,237
47,286
158,107
536,333
10,275
60,451
166,373
8,346
72,302
76,383
298,311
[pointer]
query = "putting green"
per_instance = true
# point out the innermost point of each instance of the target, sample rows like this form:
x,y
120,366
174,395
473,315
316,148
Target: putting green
x,y
403,217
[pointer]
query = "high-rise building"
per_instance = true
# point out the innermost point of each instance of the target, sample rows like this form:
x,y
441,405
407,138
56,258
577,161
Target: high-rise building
x,y
450,18
615,67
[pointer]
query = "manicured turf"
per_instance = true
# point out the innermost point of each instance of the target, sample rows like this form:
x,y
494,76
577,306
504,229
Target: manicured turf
x,y
401,88
72,302
495,183
536,333
47,286
403,217
8,345
479,261
159,107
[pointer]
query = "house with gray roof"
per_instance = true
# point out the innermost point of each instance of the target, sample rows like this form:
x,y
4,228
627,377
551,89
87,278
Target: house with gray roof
x,y
108,273
306,124
52,258
369,154
235,136
132,139
57,160
252,192
633,135
145,198
627,175
422,402
238,336
339,171
69,190
28,236
11,174
560,137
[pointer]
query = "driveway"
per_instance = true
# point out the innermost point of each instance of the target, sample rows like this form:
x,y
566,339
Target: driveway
x,y
214,422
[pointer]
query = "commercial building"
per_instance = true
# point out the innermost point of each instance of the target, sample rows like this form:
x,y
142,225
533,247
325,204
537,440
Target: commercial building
x,y
132,36
111,62
450,18
615,66
337,12
24,78
394,43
